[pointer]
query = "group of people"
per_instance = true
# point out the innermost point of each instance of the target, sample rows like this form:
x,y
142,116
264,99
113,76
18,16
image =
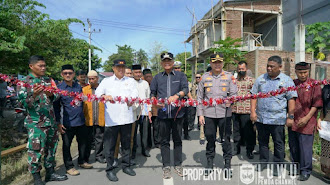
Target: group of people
x,y
111,128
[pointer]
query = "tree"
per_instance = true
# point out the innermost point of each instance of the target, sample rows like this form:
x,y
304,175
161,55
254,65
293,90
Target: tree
x,y
318,38
155,51
229,49
123,52
142,58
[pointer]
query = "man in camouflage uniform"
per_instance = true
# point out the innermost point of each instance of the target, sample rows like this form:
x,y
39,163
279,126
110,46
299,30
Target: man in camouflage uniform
x,y
216,84
42,129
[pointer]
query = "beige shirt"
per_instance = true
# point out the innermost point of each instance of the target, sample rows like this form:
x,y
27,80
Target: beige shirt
x,y
214,87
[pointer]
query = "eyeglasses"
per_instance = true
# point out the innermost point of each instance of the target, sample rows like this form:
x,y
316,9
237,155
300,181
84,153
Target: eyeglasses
x,y
67,73
198,77
177,68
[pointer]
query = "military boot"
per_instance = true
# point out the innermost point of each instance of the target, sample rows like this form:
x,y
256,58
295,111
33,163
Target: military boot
x,y
52,176
37,179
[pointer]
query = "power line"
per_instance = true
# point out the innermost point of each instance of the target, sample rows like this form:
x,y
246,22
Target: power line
x,y
101,46
139,25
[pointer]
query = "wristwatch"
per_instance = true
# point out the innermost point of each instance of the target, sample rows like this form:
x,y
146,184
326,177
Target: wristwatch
x,y
178,94
291,116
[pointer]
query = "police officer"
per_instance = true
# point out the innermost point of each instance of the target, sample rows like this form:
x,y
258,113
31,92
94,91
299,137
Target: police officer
x,y
40,121
216,84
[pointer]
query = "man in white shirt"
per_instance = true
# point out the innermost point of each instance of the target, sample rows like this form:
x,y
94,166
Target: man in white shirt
x,y
142,112
118,117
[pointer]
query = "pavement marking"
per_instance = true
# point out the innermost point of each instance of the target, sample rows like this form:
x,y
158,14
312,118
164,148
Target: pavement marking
x,y
168,181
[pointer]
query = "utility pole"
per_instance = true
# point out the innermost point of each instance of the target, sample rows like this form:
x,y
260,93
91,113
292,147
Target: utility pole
x,y
90,39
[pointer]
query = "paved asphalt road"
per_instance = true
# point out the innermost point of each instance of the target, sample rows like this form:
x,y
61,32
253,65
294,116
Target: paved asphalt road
x,y
149,170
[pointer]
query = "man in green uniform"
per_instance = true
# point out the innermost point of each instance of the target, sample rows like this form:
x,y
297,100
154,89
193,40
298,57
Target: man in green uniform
x,y
42,129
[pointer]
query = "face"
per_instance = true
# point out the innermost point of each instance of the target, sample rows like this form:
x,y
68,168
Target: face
x,y
93,80
119,71
273,68
241,67
167,64
137,74
38,68
177,69
128,72
68,75
148,77
302,75
198,78
216,66
82,79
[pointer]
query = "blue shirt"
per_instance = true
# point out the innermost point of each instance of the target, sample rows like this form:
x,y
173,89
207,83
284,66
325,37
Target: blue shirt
x,y
72,116
273,110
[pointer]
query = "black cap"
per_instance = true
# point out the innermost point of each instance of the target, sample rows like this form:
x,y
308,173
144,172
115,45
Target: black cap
x,y
216,57
119,62
67,67
146,71
302,66
166,55
136,67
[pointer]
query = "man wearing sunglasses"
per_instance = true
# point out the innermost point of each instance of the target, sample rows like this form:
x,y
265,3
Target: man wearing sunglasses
x,y
72,123
216,84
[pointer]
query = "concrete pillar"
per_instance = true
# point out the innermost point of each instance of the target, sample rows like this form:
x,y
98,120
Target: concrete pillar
x,y
223,22
279,32
205,39
299,43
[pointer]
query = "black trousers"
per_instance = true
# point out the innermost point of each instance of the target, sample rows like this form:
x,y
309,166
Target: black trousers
x,y
142,123
210,130
243,132
192,115
110,140
185,121
95,133
155,130
277,133
81,133
168,127
301,150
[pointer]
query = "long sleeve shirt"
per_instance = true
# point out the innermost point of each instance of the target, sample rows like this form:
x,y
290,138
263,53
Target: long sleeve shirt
x,y
118,113
144,93
72,116
163,86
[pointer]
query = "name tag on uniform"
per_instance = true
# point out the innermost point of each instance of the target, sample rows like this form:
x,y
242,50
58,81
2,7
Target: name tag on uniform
x,y
175,81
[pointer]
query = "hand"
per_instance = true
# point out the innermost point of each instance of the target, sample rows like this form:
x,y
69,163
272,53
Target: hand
x,y
318,127
289,122
49,94
201,120
227,103
253,117
150,115
61,128
108,97
160,105
37,90
303,121
173,98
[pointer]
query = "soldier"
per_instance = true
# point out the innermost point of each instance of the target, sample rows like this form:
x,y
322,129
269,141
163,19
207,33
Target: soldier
x,y
216,84
40,121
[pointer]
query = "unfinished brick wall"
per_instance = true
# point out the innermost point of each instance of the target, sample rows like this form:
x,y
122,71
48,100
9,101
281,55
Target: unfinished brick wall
x,y
273,5
233,25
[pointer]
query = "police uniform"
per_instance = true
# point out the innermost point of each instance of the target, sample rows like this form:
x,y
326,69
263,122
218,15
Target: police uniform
x,y
212,86
41,127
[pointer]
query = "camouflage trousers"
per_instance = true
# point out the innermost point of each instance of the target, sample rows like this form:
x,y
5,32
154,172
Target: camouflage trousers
x,y
42,141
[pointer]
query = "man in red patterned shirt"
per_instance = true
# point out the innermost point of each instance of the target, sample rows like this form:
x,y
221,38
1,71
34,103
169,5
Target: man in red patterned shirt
x,y
243,131
301,134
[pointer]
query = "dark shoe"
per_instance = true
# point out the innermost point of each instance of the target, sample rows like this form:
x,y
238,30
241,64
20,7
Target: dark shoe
x,y
227,169
102,160
250,155
146,153
303,177
208,171
115,163
37,179
261,167
129,171
209,167
219,141
237,150
187,137
202,142
277,171
256,153
112,176
228,163
52,176
132,162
